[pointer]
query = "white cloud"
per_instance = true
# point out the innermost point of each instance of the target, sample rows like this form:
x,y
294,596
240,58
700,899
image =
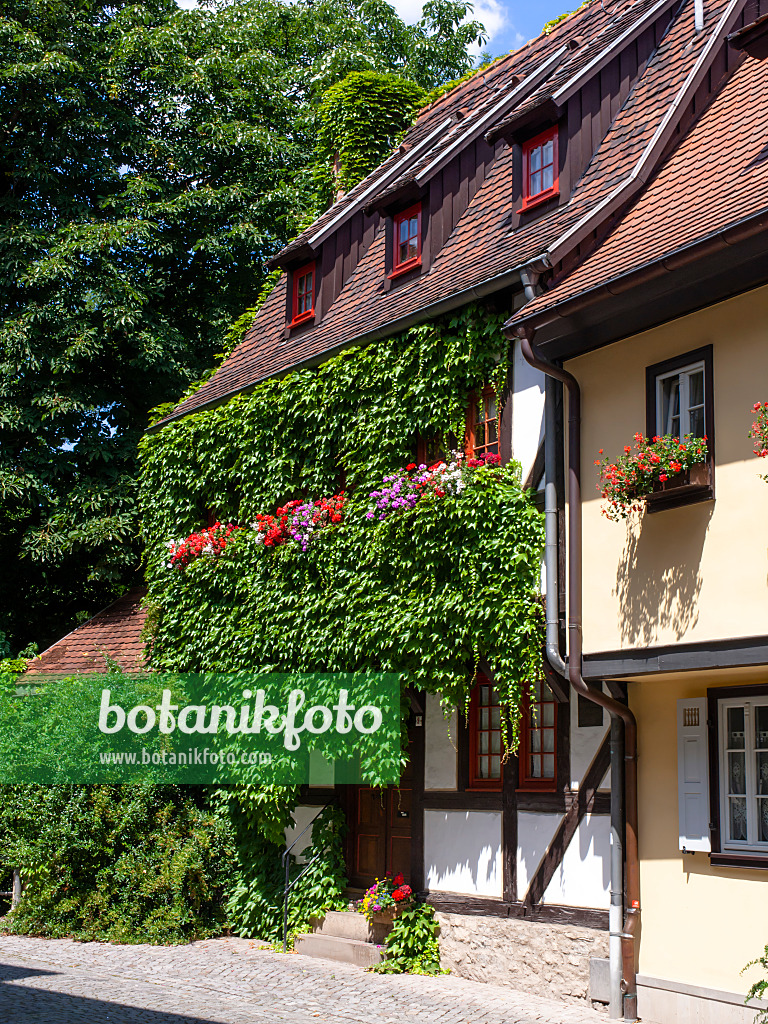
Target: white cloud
x,y
492,14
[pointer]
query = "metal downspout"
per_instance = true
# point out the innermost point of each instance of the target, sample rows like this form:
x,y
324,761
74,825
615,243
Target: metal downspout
x,y
615,1008
554,656
614,707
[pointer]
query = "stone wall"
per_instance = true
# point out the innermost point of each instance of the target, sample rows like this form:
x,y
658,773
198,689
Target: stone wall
x,y
546,959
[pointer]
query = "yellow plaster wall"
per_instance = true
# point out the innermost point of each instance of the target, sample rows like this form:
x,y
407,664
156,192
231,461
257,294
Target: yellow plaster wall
x,y
685,574
700,924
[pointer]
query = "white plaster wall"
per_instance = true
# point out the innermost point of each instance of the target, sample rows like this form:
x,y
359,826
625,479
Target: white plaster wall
x,y
527,411
584,745
440,767
462,852
301,817
534,834
583,879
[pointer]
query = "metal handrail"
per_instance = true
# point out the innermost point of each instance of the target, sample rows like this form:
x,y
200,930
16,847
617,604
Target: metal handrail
x,y
289,884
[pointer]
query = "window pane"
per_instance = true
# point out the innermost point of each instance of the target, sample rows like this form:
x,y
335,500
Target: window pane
x,y
762,821
495,767
696,388
735,738
737,776
762,774
548,714
535,740
484,718
413,227
483,764
491,432
548,179
496,744
549,766
738,819
535,766
403,230
670,405
536,159
403,252
761,728
696,422
549,740
549,152
413,249
535,183
495,718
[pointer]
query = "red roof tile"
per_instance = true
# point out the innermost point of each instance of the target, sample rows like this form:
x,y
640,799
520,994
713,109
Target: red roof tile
x,y
716,177
481,250
115,631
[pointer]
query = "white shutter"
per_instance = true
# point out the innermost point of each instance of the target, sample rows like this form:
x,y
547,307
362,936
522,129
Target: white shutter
x,y
693,774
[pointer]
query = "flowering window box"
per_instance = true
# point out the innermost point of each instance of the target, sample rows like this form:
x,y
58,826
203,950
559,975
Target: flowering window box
x,y
661,472
692,485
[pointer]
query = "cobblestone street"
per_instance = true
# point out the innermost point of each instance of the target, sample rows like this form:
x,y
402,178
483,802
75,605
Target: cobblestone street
x,y
232,981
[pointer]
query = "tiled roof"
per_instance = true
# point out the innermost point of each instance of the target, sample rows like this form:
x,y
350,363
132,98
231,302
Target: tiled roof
x,y
482,252
717,177
115,631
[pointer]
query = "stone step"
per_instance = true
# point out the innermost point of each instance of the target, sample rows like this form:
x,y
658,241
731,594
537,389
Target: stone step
x,y
332,947
343,924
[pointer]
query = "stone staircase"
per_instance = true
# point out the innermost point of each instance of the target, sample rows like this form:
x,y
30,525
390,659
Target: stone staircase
x,y
342,935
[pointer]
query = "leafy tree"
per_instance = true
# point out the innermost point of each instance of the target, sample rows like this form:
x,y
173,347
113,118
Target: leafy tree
x,y
151,159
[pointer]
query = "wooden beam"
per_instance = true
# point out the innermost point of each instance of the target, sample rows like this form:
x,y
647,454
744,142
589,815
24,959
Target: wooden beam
x,y
583,804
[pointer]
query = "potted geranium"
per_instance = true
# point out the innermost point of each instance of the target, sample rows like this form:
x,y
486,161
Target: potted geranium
x,y
653,466
759,432
381,903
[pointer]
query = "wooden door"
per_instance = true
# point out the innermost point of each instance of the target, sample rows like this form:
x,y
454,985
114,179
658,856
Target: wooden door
x,y
379,838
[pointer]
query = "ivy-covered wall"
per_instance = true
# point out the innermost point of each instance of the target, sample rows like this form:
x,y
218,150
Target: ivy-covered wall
x,y
424,592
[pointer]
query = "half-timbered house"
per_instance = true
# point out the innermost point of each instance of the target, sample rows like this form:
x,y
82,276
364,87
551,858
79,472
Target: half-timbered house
x,y
506,183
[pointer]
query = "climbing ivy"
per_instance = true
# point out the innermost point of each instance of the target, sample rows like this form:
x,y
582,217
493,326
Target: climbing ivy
x,y
255,895
412,945
424,593
360,120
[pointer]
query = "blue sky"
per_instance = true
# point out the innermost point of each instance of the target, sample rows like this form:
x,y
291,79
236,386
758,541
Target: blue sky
x,y
509,22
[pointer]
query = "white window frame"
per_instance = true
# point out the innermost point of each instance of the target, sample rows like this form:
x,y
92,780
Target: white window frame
x,y
748,704
684,374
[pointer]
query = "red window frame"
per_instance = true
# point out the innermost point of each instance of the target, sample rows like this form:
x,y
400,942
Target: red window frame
x,y
482,435
301,315
400,266
480,726
538,143
535,723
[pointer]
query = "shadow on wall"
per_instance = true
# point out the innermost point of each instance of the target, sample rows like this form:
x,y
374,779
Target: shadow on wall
x,y
658,580
463,851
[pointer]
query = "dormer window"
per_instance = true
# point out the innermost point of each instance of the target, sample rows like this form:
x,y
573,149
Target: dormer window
x,y
303,294
540,168
407,240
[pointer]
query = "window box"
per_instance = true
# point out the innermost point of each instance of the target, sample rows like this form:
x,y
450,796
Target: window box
x,y
688,487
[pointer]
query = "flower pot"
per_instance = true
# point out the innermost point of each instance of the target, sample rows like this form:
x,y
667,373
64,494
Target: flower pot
x,y
381,925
